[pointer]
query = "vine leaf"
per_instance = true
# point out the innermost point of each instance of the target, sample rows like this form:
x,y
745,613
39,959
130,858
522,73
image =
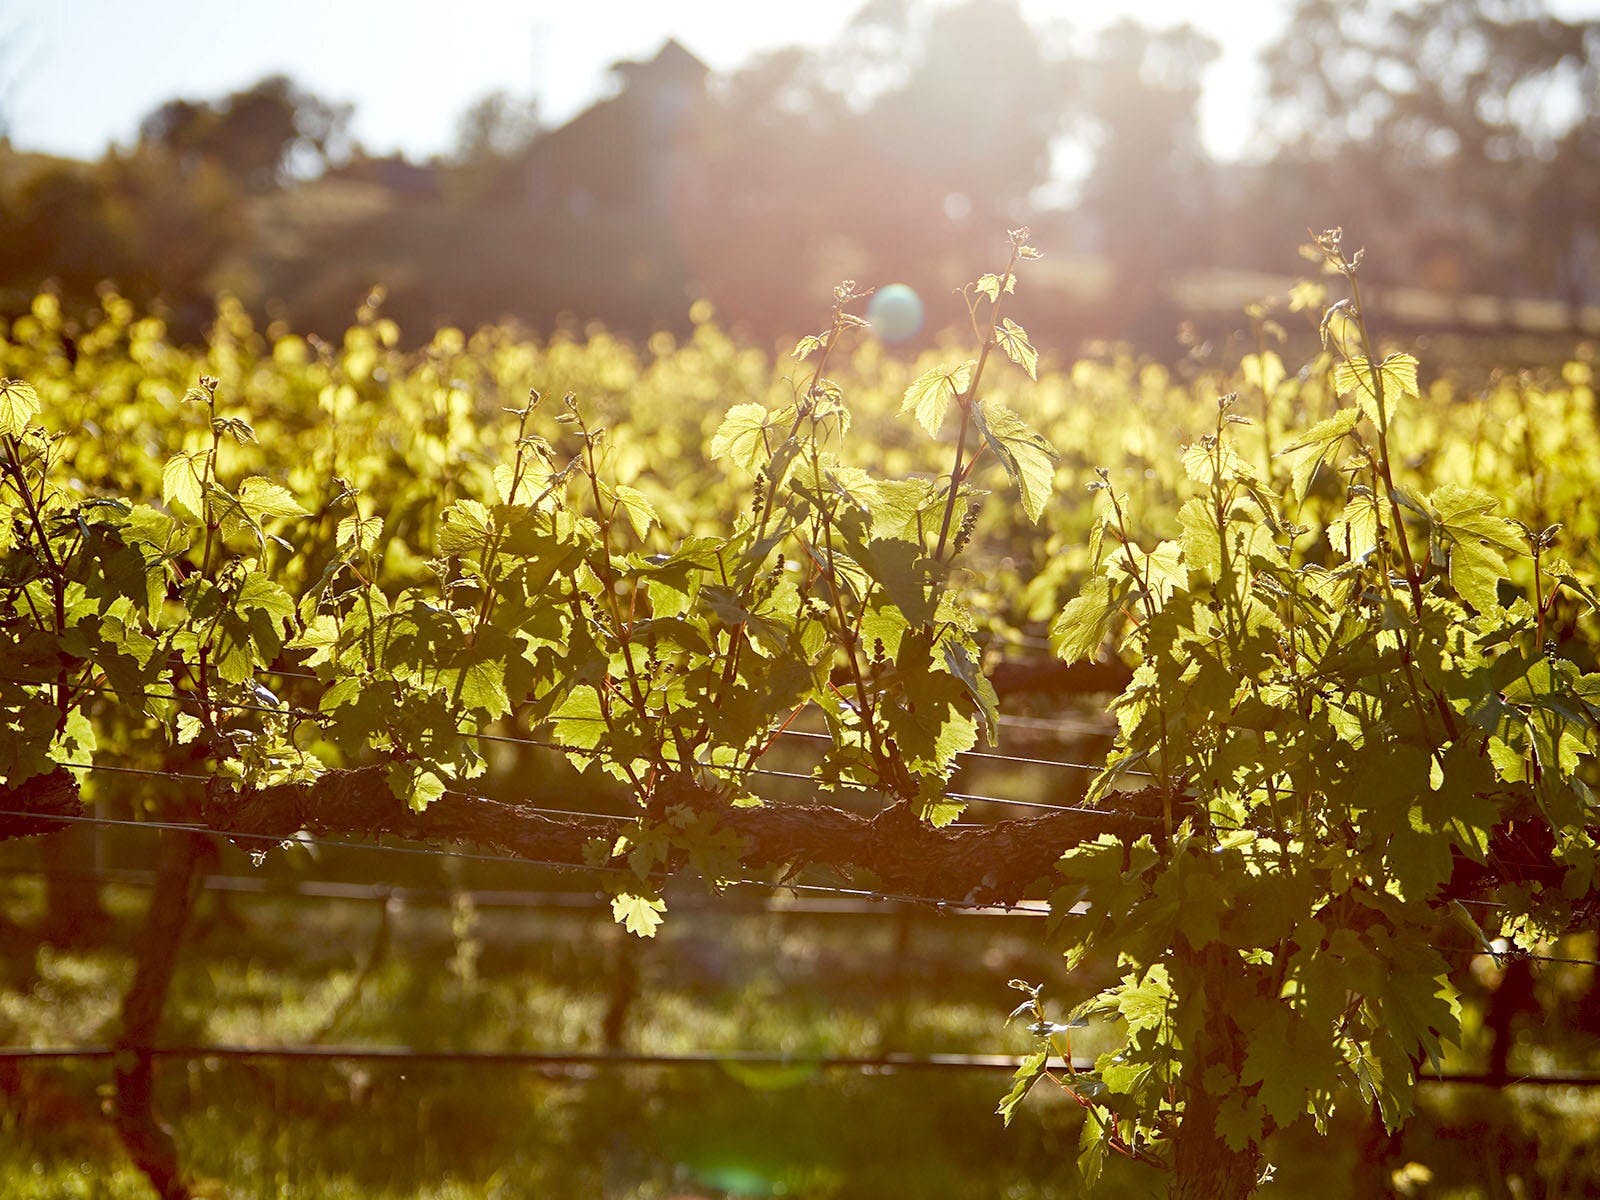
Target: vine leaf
x,y
19,404
1029,458
1081,628
1238,1121
940,811
360,533
249,630
741,438
990,284
481,685
579,721
1013,339
928,398
1275,1064
933,725
1314,445
1397,375
1479,542
1028,1074
1354,532
415,784
639,915
960,662
465,527
641,513
181,482
263,499
1147,1004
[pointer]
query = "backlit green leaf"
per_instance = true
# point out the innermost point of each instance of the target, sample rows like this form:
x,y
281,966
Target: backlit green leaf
x,y
641,513
466,527
741,438
929,396
639,915
181,482
1027,1074
1014,341
1029,458
19,404
1396,377
264,500
1080,630
1306,453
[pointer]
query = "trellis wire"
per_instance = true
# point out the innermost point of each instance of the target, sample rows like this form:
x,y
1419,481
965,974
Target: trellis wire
x,y
277,839
306,714
376,892
326,889
861,1064
507,739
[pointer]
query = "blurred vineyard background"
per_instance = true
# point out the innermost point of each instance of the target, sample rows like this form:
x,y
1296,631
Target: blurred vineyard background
x,y
656,255
1460,138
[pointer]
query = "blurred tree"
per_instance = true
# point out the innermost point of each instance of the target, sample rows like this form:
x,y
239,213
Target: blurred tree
x,y
493,137
260,136
1436,125
61,226
8,84
889,154
1562,238
131,218
183,128
1149,190
176,229
497,126
981,103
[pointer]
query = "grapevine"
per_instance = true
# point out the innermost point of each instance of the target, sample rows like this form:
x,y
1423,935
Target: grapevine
x,y
348,585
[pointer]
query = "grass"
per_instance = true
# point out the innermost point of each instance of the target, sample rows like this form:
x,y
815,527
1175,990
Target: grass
x,y
265,969
540,981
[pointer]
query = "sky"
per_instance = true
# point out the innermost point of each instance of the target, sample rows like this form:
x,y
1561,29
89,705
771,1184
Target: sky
x,y
77,75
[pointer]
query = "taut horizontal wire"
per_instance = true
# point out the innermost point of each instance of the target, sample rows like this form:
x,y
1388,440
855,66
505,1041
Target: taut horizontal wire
x,y
310,714
880,1063
1020,909
984,755
234,835
584,902
506,739
863,1064
278,840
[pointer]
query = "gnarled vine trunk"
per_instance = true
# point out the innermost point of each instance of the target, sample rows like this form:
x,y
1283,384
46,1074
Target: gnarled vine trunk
x,y
73,912
1204,1166
146,1137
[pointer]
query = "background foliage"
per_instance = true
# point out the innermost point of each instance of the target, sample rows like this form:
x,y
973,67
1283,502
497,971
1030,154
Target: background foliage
x,y
1460,135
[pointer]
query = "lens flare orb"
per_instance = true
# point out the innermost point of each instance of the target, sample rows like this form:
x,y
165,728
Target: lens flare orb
x,y
895,312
